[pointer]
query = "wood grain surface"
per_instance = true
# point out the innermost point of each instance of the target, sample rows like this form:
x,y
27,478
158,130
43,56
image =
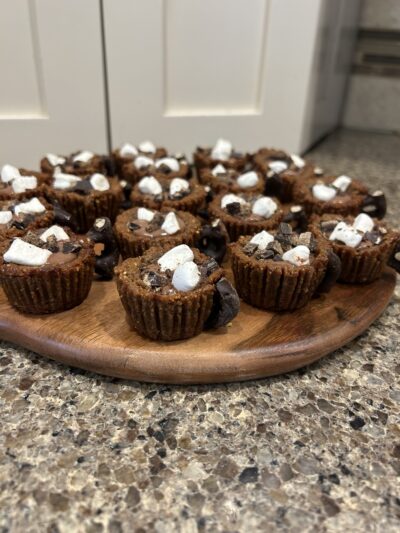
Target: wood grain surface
x,y
95,336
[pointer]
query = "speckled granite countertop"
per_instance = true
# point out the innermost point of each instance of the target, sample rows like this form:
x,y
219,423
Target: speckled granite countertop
x,y
316,450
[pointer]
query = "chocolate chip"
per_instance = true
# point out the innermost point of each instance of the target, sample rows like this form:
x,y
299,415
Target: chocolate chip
x,y
155,280
133,226
212,241
233,208
297,217
274,185
305,239
102,232
265,254
34,238
52,244
285,228
83,187
250,248
332,273
109,165
375,204
226,304
210,266
62,217
277,257
126,191
276,247
18,224
71,247
373,236
327,226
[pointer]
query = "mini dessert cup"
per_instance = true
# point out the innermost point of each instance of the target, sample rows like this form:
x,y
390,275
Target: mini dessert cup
x,y
174,293
127,153
177,193
163,167
281,270
80,163
16,218
46,271
86,197
282,171
222,153
20,184
139,228
221,179
365,245
341,195
246,214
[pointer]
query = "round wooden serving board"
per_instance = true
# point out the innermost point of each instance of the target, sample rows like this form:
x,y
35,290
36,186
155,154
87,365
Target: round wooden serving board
x,y
95,336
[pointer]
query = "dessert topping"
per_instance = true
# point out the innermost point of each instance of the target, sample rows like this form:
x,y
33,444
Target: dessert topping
x,y
170,162
298,161
248,179
323,192
170,224
262,239
147,147
342,183
23,183
218,169
149,185
176,256
278,166
9,173
178,188
24,253
298,256
99,182
264,207
55,160
145,214
186,276
5,217
54,231
222,150
34,207
128,150
142,162
83,157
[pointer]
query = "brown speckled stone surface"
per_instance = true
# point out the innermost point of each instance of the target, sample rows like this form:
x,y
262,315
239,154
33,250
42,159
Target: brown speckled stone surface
x,y
316,450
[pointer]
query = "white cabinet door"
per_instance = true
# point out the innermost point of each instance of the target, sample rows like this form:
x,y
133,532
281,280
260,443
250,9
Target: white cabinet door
x,y
52,81
184,72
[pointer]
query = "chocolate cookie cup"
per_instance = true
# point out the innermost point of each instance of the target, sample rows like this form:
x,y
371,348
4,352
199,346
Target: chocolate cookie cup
x,y
221,179
365,245
177,193
16,218
341,195
139,228
80,163
222,153
173,294
129,152
282,171
86,197
246,214
164,167
281,270
46,271
20,184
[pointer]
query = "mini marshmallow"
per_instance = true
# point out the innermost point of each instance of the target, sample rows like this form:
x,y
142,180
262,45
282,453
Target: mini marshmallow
x,y
24,183
33,207
297,161
142,162
147,147
232,198
248,179
264,207
64,181
176,256
222,150
99,182
323,192
5,217
363,223
262,239
149,185
186,277
9,173
347,234
342,183
177,186
23,253
145,214
55,160
277,166
170,162
54,231
299,255
83,157
128,150
218,169
170,224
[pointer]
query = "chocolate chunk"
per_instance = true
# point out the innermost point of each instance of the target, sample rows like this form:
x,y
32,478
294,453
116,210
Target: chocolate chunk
x,y
102,232
133,226
297,217
327,226
277,257
276,247
126,191
332,273
71,247
155,280
165,169
226,305
373,236
34,238
52,244
375,204
250,248
210,266
285,228
62,217
305,239
264,254
274,185
18,224
212,241
394,260
233,208
83,187
109,165
155,223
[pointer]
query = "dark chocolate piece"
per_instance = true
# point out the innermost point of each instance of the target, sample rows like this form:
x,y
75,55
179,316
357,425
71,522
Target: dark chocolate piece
x,y
52,244
62,217
233,208
226,305
83,187
274,186
156,280
71,247
394,260
373,236
109,165
102,232
126,191
375,204
332,273
250,248
210,266
133,226
265,254
212,241
297,216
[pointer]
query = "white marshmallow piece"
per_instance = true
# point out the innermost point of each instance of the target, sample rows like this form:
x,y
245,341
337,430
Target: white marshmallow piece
x,y
342,183
23,183
186,277
170,224
232,198
277,166
33,207
142,162
23,253
218,169
176,256
99,182
54,231
9,173
83,157
177,186
5,217
170,162
297,161
149,185
323,192
147,147
264,207
128,150
145,214
347,234
262,239
55,160
247,180
298,256
64,181
222,150
363,223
